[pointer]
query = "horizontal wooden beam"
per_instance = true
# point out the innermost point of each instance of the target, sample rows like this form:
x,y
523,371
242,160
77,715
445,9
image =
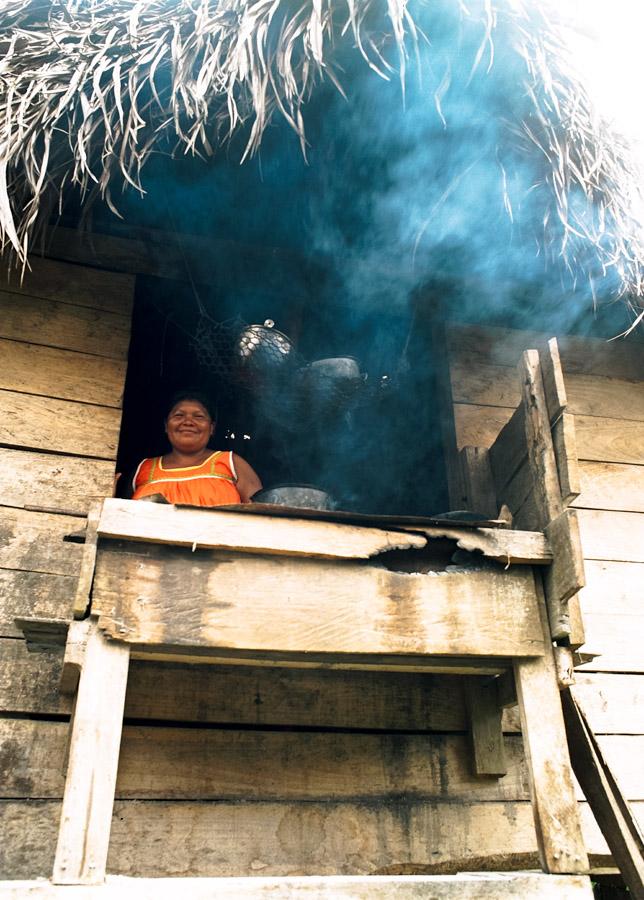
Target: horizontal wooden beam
x,y
475,886
213,529
244,603
220,838
243,531
161,253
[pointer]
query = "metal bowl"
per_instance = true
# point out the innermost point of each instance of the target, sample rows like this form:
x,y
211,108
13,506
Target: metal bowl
x,y
303,495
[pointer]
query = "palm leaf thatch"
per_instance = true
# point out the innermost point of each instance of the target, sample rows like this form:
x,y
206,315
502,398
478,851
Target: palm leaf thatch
x,y
90,88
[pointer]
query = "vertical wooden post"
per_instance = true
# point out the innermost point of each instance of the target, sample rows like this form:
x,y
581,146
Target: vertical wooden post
x,y
83,838
486,730
554,806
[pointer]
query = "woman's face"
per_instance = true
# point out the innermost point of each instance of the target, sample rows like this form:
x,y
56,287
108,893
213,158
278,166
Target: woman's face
x,y
189,426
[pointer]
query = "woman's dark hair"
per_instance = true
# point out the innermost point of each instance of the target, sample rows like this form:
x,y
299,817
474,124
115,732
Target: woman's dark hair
x,y
187,394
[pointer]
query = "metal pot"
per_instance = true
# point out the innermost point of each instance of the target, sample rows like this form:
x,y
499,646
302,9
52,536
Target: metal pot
x,y
331,383
337,367
303,495
262,349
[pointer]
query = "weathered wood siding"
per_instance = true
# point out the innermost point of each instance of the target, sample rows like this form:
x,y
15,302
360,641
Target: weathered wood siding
x,y
64,335
605,387
226,770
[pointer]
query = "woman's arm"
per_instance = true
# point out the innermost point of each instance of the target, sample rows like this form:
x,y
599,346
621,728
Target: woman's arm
x,y
248,482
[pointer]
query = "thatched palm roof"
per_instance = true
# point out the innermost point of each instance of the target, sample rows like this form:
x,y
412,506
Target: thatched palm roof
x,y
89,88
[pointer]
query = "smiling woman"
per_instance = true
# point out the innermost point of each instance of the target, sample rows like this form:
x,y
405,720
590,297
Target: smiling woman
x,y
191,472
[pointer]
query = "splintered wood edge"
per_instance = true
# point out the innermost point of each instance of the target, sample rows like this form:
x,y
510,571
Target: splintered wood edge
x,y
503,545
172,526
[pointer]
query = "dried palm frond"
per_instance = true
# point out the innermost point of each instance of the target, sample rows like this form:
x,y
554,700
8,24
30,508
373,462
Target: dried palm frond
x,y
90,88
595,182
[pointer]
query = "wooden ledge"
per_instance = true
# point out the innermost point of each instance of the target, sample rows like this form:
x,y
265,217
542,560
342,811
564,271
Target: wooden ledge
x,y
467,886
243,531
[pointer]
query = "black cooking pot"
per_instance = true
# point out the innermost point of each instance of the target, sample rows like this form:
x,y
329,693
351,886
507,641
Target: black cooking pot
x,y
302,495
329,383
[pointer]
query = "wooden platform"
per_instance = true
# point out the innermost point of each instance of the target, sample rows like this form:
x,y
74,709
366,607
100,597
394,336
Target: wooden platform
x,y
467,886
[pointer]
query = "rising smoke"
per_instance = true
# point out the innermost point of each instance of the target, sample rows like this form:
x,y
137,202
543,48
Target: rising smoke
x,y
407,198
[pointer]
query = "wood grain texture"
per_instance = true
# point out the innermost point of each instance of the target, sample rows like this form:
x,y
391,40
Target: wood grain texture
x,y
170,763
218,599
611,535
479,481
479,426
236,838
251,695
611,604
466,886
518,489
64,325
244,532
53,481
32,594
65,374
541,455
33,542
566,575
610,486
609,805
600,439
588,395
88,799
564,437
554,806
510,547
553,380
225,764
613,704
82,596
610,440
620,359
486,729
41,423
79,285
210,528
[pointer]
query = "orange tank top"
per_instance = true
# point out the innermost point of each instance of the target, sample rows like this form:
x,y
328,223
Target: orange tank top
x,y
212,483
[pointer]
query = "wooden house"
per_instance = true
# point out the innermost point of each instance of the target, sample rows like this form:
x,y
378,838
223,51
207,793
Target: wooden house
x,y
240,703
283,769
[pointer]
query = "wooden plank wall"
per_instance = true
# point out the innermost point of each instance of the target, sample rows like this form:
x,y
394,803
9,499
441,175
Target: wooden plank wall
x,y
64,336
605,388
233,771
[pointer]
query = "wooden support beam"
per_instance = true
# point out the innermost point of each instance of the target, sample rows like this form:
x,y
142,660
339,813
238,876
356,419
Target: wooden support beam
x,y
566,576
554,804
539,439
479,483
553,380
74,658
604,796
86,574
565,444
506,690
486,731
86,817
